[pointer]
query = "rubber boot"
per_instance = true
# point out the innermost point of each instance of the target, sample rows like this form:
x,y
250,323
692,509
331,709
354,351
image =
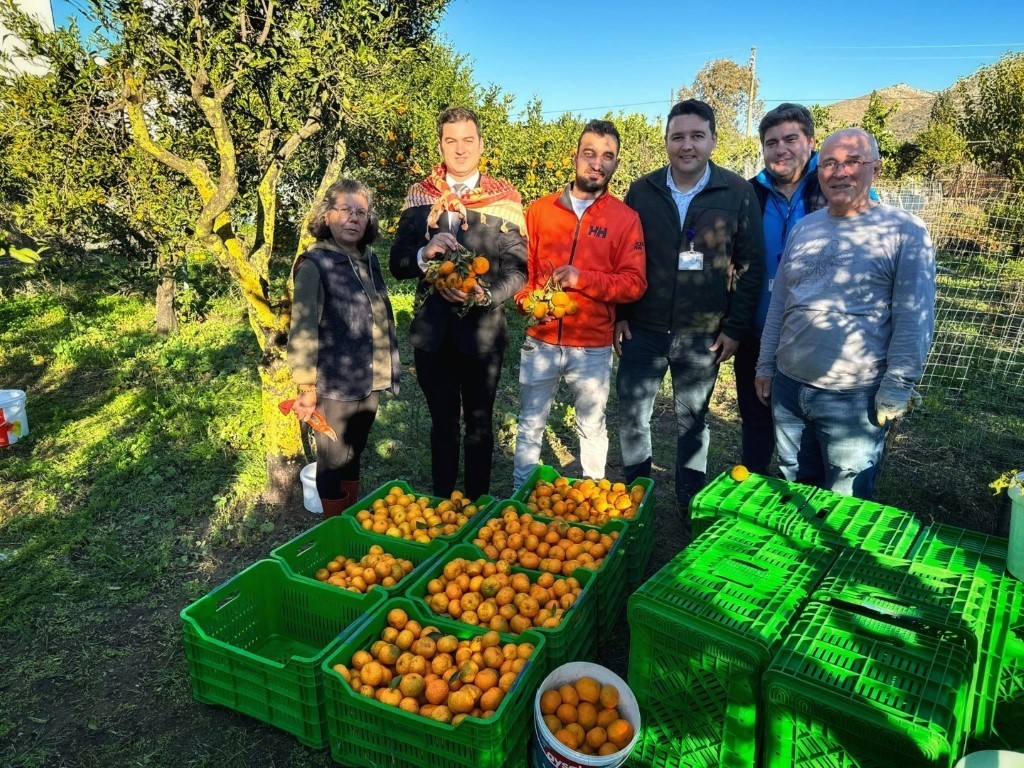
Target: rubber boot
x,y
334,507
633,471
350,488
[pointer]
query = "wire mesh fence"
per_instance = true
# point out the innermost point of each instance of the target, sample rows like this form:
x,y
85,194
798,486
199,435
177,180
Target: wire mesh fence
x,y
972,424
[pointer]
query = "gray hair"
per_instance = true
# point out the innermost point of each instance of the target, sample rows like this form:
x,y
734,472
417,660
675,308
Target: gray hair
x,y
317,224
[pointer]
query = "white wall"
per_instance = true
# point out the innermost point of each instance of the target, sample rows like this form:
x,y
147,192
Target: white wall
x,y
41,10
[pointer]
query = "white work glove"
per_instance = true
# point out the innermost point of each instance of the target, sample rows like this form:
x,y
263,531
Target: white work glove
x,y
888,408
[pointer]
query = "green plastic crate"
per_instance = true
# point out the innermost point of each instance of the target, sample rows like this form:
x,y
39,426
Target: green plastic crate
x,y
702,631
364,733
609,578
920,596
999,721
436,544
640,530
255,645
308,552
847,689
574,639
810,514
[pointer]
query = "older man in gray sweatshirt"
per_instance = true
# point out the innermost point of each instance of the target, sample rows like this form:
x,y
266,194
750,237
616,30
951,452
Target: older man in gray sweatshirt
x,y
849,325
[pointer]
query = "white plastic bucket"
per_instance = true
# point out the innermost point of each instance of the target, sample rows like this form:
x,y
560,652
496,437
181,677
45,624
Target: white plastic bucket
x,y
13,419
1015,551
991,758
310,498
548,752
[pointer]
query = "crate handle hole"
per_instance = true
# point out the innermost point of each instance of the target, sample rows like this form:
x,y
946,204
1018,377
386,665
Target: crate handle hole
x,y
306,548
227,600
823,512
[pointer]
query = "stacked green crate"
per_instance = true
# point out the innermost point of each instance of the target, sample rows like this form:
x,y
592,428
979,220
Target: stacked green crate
x,y
574,639
921,596
809,514
609,577
255,645
702,631
308,552
640,527
365,733
999,699
849,690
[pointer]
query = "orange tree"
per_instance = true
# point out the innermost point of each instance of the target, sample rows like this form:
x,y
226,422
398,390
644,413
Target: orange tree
x,y
254,104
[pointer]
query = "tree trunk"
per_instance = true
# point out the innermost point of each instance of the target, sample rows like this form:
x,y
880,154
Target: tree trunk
x,y
166,317
282,438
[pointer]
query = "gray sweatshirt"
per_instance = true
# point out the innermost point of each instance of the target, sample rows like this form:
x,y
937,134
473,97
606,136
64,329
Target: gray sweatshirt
x,y
853,304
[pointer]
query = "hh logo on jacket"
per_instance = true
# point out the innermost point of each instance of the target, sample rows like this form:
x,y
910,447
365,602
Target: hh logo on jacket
x,y
598,231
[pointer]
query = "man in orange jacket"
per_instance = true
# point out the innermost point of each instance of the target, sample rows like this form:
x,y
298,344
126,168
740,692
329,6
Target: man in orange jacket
x,y
587,247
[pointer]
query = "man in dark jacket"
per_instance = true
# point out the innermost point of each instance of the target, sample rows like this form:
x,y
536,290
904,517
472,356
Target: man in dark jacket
x,y
787,190
705,265
459,351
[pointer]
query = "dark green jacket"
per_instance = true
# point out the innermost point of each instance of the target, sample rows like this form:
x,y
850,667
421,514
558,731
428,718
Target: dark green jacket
x,y
726,219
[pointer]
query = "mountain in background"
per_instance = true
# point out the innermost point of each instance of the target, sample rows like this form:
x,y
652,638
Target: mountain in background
x,y
911,116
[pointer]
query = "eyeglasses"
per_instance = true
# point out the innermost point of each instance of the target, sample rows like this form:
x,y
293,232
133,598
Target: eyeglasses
x,y
849,166
352,213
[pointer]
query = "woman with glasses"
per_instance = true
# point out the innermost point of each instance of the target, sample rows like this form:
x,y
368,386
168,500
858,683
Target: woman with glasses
x,y
342,347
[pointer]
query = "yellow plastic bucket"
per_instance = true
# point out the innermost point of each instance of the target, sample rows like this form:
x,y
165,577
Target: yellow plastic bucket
x,y
13,418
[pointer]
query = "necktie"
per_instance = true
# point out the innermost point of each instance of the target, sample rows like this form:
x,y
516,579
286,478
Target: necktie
x,y
460,189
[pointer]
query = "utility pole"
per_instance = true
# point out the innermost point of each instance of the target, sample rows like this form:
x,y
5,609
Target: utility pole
x,y
750,91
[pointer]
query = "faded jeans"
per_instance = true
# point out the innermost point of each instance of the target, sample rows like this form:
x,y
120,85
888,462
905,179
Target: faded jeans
x,y
588,373
645,359
827,438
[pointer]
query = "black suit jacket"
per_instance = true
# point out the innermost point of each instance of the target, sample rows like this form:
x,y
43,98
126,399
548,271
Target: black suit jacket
x,y
437,321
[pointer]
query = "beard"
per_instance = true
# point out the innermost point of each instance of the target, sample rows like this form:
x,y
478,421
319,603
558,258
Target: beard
x,y
590,187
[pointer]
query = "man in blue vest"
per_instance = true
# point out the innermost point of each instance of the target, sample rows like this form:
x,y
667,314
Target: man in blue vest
x,y
787,190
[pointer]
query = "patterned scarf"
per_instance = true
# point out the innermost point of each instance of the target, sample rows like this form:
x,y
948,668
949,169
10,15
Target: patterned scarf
x,y
493,197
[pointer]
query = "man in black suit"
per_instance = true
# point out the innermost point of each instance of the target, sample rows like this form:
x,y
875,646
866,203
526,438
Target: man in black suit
x,y
459,351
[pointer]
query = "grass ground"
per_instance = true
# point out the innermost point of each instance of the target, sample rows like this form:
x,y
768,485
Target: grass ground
x,y
137,492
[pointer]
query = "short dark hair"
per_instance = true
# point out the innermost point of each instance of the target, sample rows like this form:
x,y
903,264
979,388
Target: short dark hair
x,y
601,128
788,113
692,107
318,219
457,115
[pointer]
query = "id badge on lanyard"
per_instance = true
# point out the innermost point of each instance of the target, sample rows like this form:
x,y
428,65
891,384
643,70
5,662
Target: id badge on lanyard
x,y
691,260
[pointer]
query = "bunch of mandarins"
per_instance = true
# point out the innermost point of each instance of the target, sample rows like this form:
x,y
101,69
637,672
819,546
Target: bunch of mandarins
x,y
593,502
548,302
555,546
490,595
405,516
420,670
460,270
375,567
584,717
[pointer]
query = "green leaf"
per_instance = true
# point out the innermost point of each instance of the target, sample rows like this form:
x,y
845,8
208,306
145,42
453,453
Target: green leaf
x,y
395,681
25,255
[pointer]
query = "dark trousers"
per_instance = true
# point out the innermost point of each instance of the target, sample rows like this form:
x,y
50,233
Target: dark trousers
x,y
457,385
338,461
758,429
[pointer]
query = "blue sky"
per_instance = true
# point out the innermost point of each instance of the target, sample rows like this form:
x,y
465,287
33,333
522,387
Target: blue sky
x,y
589,56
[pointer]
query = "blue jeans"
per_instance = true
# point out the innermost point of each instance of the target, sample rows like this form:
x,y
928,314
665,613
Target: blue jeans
x,y
645,359
588,373
827,438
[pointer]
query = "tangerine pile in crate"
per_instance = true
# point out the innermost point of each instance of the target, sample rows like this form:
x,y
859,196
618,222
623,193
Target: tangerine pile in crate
x,y
510,532
339,553
395,510
429,719
545,545
463,585
597,502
